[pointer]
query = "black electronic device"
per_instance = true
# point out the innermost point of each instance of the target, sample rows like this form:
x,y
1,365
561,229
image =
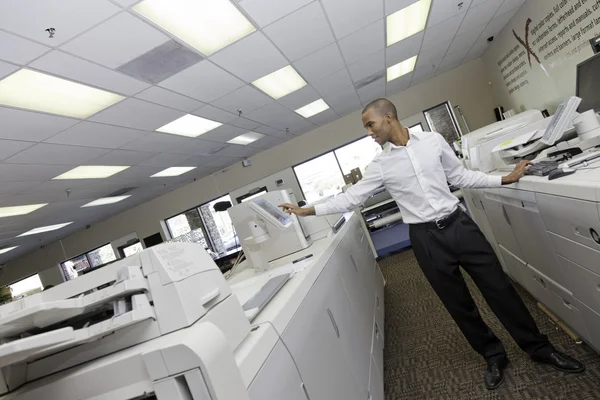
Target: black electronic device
x,y
560,172
542,168
588,84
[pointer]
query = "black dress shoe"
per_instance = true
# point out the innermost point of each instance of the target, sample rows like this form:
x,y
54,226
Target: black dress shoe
x,y
494,374
561,362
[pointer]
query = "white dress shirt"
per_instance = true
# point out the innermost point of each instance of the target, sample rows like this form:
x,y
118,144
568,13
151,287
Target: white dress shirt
x,y
416,177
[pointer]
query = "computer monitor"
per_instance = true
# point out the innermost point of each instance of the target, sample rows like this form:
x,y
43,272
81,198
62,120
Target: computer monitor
x,y
271,213
588,84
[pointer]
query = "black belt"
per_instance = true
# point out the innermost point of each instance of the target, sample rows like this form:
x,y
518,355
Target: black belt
x,y
441,223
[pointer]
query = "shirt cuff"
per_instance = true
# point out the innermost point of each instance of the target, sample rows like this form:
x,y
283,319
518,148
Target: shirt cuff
x,y
320,209
494,180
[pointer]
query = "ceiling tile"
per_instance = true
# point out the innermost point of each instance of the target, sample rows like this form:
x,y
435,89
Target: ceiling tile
x,y
368,66
398,84
478,49
235,150
245,123
479,15
423,73
300,98
250,58
268,113
199,147
19,50
214,114
264,12
166,160
158,142
267,142
70,67
442,31
443,10
45,153
7,69
391,6
203,81
475,3
343,101
28,172
466,39
347,16
452,61
122,157
11,147
137,114
10,188
364,42
334,83
324,117
116,41
126,3
31,126
222,161
302,32
404,49
434,55
498,23
29,18
247,98
372,91
320,63
170,99
196,161
294,122
223,133
96,135
509,5
267,130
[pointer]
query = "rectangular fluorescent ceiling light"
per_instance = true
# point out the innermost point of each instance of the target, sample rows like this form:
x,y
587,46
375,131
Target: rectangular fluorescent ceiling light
x,y
106,200
7,249
281,82
313,108
407,22
246,138
206,25
45,229
40,92
173,171
19,210
189,125
402,68
91,172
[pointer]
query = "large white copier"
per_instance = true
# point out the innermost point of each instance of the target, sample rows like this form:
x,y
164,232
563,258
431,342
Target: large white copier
x,y
165,324
545,232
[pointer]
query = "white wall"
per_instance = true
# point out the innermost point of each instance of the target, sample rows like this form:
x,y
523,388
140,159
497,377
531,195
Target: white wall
x,y
545,85
466,86
289,179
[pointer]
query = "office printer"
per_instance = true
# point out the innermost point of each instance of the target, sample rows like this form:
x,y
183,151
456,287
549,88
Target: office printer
x,y
135,329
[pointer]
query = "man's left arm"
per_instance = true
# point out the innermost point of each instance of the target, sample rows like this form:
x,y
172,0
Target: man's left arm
x,y
461,177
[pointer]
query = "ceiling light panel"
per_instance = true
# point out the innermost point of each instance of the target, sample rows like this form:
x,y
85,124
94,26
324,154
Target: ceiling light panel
x,y
45,229
281,82
19,210
189,125
246,138
7,249
91,172
313,108
407,21
40,92
173,171
402,68
206,25
105,200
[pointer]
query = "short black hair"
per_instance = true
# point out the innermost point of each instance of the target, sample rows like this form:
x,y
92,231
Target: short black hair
x,y
382,106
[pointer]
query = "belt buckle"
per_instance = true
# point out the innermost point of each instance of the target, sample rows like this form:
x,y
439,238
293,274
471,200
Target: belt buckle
x,y
440,223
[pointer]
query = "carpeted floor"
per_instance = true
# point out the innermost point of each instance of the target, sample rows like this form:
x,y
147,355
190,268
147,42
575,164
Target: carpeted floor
x,y
426,356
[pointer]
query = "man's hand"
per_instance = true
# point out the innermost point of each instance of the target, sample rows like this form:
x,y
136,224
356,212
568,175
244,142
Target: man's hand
x,y
517,174
299,211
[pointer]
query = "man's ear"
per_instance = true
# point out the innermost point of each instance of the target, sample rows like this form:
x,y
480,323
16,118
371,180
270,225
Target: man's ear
x,y
388,117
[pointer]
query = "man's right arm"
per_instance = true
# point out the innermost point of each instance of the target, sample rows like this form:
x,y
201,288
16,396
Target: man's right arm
x,y
357,194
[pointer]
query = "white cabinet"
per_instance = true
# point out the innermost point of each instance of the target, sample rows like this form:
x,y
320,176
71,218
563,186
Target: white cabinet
x,y
592,324
376,391
278,378
514,265
500,224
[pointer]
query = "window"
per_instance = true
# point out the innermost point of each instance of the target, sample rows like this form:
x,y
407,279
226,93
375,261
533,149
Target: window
x,y
320,177
357,154
26,287
219,227
73,267
417,128
132,249
101,255
184,223
77,266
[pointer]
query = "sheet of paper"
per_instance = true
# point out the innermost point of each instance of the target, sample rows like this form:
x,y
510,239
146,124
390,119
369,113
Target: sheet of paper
x,y
514,142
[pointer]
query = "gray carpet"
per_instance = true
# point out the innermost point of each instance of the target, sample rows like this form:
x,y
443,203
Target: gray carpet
x,y
426,356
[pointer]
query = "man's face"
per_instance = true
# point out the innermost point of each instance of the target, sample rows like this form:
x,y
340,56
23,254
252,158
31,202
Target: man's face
x,y
378,126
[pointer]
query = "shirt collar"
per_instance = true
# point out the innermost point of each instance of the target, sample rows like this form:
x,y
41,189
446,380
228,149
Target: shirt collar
x,y
413,136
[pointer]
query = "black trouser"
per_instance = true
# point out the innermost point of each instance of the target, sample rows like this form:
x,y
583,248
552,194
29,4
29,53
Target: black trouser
x,y
440,252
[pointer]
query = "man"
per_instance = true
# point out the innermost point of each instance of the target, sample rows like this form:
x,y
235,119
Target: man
x,y
415,168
